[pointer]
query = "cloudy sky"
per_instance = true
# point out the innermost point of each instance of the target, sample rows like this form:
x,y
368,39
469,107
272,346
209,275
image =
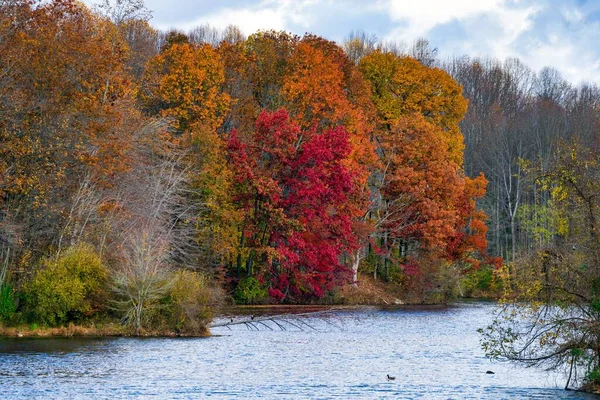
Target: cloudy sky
x,y
564,34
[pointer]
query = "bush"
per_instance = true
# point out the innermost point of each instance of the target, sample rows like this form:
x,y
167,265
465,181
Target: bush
x,y
250,290
7,303
483,281
188,303
69,289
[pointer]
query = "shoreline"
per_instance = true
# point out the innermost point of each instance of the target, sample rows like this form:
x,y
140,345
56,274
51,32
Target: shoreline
x,y
116,330
80,331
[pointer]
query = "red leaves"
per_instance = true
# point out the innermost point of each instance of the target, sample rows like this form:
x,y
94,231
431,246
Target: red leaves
x,y
293,186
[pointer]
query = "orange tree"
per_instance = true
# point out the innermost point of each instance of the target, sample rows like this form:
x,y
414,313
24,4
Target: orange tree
x,y
64,100
424,196
319,86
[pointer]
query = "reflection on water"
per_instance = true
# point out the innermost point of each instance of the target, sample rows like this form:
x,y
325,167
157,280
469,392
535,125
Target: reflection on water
x,y
53,346
433,353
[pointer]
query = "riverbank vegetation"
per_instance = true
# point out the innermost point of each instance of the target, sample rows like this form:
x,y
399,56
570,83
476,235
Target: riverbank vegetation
x,y
551,318
147,177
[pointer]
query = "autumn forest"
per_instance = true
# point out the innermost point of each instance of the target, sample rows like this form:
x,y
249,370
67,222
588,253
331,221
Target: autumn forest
x,y
148,176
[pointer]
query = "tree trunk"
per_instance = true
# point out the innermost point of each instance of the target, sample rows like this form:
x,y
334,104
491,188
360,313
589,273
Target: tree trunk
x,y
355,264
249,264
513,237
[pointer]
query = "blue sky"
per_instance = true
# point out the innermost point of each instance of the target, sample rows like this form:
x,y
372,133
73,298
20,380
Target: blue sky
x,y
562,34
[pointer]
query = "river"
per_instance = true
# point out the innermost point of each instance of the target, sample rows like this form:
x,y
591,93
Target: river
x,y
434,353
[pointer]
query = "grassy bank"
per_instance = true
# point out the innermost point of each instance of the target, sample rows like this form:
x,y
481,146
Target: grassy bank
x,y
72,330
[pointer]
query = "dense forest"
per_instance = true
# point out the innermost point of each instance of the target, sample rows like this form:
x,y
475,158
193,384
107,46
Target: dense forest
x,y
147,175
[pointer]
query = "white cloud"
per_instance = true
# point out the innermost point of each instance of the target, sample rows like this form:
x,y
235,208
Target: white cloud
x,y
573,15
264,15
248,20
426,14
574,64
513,23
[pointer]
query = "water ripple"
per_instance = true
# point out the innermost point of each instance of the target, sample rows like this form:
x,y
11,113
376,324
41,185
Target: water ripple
x,y
433,353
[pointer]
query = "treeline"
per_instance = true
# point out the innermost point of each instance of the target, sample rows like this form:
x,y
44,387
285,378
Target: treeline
x,y
516,122
140,166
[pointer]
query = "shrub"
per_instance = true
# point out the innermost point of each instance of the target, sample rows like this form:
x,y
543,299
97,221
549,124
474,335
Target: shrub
x,y
68,289
250,290
7,303
593,376
189,310
484,281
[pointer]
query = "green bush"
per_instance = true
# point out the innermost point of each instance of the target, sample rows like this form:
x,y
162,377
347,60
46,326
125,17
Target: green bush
x,y
7,303
188,303
68,289
482,281
593,376
250,290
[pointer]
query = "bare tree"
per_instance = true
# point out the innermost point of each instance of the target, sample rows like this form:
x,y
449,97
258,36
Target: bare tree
x,y
552,318
359,44
121,11
422,51
154,227
205,34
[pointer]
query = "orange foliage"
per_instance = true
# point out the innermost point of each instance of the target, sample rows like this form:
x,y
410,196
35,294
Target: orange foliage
x,y
419,168
421,151
185,82
66,84
321,88
315,81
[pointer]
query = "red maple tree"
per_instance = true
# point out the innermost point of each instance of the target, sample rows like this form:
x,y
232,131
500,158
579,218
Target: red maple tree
x,y
292,185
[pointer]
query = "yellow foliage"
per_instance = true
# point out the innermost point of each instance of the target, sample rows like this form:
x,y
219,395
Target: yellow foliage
x,y
402,86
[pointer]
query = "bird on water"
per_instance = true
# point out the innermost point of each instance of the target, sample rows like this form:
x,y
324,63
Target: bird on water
x,y
390,378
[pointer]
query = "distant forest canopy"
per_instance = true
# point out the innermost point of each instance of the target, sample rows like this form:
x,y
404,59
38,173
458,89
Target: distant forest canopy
x,y
279,166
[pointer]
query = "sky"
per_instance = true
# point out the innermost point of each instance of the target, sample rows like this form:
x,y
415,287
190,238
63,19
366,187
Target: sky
x,y
564,34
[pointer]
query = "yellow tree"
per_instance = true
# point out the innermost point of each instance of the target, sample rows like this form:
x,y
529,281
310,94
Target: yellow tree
x,y
403,86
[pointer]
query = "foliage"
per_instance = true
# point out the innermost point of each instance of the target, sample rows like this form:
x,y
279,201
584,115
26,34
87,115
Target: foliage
x,y
7,303
250,291
292,185
541,222
189,303
421,170
484,281
65,98
552,317
421,198
403,86
184,82
278,156
70,288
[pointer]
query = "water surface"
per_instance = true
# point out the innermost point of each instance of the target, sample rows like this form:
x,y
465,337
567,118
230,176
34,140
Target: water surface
x,y
434,353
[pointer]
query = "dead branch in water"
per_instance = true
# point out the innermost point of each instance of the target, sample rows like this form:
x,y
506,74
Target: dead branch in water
x,y
282,321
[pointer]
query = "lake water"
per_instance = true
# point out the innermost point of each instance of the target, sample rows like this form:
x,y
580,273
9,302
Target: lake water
x,y
434,353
